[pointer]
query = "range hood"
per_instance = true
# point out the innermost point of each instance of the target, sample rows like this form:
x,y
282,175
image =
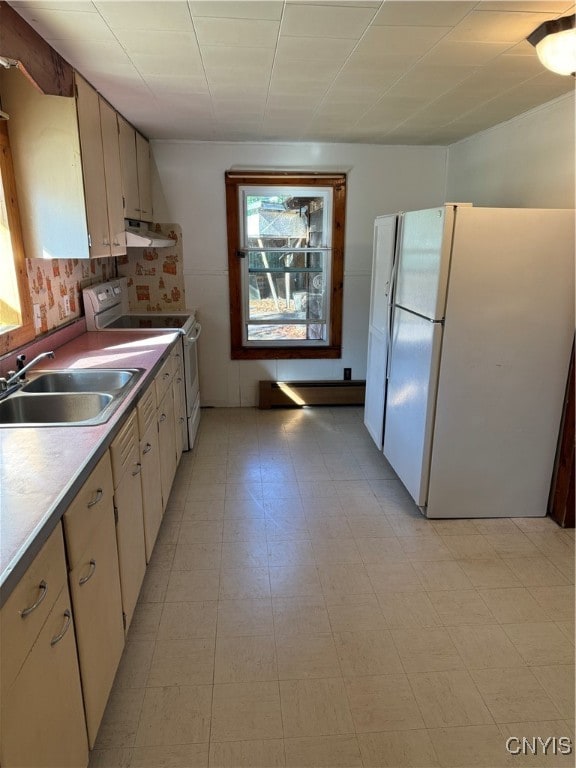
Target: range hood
x,y
139,236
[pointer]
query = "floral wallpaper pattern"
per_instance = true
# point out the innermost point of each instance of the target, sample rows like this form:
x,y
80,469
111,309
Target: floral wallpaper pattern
x,y
155,275
56,288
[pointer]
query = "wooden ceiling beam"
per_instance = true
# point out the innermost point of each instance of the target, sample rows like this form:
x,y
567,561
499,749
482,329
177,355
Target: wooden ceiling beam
x,y
41,64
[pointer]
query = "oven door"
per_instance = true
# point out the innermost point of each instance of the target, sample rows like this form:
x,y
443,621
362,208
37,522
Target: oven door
x,y
192,380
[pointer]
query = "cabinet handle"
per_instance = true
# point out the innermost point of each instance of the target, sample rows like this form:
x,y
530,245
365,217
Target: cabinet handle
x,y
148,448
137,470
105,241
97,498
43,587
178,380
65,628
84,579
166,375
181,419
116,243
162,417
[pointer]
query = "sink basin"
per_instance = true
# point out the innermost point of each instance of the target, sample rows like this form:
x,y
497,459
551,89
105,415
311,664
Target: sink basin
x,y
81,380
52,409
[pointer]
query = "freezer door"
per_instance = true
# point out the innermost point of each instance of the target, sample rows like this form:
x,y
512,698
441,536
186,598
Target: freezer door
x,y
375,386
382,263
424,261
410,402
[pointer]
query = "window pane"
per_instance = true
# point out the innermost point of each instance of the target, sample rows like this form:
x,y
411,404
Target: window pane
x,y
295,218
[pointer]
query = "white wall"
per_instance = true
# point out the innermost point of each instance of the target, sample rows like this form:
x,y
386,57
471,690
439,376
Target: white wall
x,y
527,162
189,189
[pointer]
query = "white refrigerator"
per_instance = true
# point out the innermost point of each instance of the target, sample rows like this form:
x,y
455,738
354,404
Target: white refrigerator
x,y
386,237
481,333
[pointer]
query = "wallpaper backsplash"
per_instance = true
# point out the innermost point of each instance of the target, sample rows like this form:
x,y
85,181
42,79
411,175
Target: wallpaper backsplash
x,y
155,281
56,288
155,275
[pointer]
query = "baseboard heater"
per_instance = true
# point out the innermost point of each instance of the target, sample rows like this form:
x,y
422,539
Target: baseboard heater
x,y
298,393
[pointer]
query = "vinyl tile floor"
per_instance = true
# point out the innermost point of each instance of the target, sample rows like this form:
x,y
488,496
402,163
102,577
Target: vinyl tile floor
x,y
299,611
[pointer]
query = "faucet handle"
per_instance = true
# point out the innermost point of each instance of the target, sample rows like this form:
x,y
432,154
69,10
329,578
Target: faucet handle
x,y
20,362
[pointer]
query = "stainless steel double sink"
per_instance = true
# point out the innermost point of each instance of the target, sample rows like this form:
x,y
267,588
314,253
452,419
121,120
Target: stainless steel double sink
x,y
74,397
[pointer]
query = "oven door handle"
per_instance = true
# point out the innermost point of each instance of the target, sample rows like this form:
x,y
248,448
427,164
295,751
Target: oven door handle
x,y
195,334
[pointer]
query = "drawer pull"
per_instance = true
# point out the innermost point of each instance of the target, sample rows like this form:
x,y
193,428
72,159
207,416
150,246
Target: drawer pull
x,y
137,470
84,579
166,376
147,449
162,417
181,419
65,628
43,587
179,380
97,498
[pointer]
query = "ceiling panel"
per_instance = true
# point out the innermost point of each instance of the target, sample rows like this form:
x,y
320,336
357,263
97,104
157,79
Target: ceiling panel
x,y
252,33
325,21
400,71
422,14
153,14
247,9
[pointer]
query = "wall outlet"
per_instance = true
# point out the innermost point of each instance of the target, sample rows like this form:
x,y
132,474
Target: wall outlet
x,y
347,374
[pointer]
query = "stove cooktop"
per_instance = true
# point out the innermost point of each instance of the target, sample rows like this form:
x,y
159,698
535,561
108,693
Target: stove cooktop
x,y
148,321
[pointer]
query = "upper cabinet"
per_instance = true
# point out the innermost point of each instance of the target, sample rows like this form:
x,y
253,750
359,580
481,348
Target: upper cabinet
x,y
135,164
47,165
80,170
100,146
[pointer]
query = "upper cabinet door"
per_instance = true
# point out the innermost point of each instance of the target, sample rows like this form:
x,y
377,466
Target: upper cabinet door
x,y
129,169
143,160
111,147
93,168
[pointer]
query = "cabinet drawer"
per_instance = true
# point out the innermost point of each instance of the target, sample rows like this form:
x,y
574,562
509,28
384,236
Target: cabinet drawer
x,y
25,611
84,513
147,410
124,450
164,378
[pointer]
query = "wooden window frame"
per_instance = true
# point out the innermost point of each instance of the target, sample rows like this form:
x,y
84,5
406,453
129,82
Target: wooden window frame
x,y
25,332
235,180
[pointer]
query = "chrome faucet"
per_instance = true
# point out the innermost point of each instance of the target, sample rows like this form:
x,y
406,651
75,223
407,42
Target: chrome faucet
x,y
16,378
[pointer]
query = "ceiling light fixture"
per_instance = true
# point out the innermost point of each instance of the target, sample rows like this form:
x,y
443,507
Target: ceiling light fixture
x,y
7,63
555,43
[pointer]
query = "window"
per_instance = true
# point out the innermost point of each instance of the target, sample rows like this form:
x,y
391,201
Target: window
x,y
16,323
286,264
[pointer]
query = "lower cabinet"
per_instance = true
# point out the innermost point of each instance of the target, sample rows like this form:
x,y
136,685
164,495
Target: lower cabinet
x,y
151,488
42,711
94,581
167,441
126,468
180,424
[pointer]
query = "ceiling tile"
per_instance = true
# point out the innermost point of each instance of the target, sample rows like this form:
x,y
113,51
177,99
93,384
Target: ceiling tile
x,y
241,9
173,84
313,49
152,14
241,32
403,41
302,72
54,5
352,3
97,57
427,13
496,27
325,21
217,57
68,25
464,54
552,7
163,42
429,82
179,63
